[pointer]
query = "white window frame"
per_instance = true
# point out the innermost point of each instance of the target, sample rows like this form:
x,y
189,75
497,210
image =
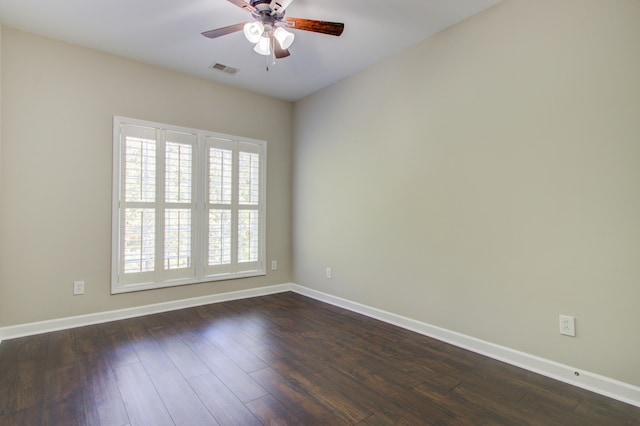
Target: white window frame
x,y
199,269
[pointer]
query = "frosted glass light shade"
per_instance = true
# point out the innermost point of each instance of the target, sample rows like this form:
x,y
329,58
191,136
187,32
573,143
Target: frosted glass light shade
x,y
253,31
284,37
263,46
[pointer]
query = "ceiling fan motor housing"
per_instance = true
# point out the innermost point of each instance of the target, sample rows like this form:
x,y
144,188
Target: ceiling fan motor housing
x,y
272,8
278,6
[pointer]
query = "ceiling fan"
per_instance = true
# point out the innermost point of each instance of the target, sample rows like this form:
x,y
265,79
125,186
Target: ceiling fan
x,y
268,30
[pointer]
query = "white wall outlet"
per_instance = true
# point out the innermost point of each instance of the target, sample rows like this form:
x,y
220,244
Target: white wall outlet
x,y
274,265
328,272
78,288
567,325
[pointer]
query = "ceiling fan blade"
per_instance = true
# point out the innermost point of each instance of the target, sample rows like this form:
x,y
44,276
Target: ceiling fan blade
x,y
324,27
279,51
244,5
219,32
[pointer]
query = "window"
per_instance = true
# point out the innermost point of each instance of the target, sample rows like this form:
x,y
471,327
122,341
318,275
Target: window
x,y
188,206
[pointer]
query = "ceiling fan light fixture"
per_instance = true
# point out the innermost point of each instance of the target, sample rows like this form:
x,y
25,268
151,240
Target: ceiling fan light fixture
x,y
263,46
284,37
253,31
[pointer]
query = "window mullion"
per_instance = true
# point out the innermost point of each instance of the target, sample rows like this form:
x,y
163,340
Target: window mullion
x,y
200,206
235,176
160,202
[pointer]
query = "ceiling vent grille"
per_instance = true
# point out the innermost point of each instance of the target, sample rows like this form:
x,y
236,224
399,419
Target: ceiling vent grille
x,y
223,68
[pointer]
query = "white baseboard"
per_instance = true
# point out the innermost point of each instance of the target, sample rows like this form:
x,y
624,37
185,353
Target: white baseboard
x,y
590,381
29,329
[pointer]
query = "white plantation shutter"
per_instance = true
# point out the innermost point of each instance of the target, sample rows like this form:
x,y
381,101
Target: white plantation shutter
x,y
138,209
156,241
220,191
249,226
188,206
235,237
179,208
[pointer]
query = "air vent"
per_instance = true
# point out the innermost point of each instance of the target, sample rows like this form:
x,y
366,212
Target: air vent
x,y
224,68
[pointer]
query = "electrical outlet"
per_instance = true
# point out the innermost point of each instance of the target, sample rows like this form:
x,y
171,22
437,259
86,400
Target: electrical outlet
x,y
78,288
274,265
328,272
567,325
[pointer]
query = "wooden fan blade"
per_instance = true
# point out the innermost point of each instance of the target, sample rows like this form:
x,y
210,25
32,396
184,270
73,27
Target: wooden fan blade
x,y
324,27
219,32
244,5
279,51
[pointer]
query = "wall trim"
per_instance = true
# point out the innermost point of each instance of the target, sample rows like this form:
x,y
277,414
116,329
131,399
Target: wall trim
x,y
29,329
586,380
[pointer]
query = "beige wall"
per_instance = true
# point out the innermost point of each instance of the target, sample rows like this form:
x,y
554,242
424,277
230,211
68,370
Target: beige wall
x,y
486,181
2,296
58,102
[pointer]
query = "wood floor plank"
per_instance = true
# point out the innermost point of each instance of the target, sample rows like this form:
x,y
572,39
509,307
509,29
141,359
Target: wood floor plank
x,y
335,395
61,383
240,354
225,407
142,401
548,406
152,357
27,416
105,338
102,399
61,349
189,319
23,363
269,411
90,339
184,406
440,384
376,420
279,352
392,400
33,347
240,383
179,353
305,408
235,329
26,391
9,374
121,351
4,405
146,347
470,405
601,412
68,411
255,327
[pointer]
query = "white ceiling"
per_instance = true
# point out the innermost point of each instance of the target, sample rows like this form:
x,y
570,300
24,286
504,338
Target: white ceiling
x,y
166,33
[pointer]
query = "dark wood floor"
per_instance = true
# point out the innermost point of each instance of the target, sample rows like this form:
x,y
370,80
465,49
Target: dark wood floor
x,y
282,360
